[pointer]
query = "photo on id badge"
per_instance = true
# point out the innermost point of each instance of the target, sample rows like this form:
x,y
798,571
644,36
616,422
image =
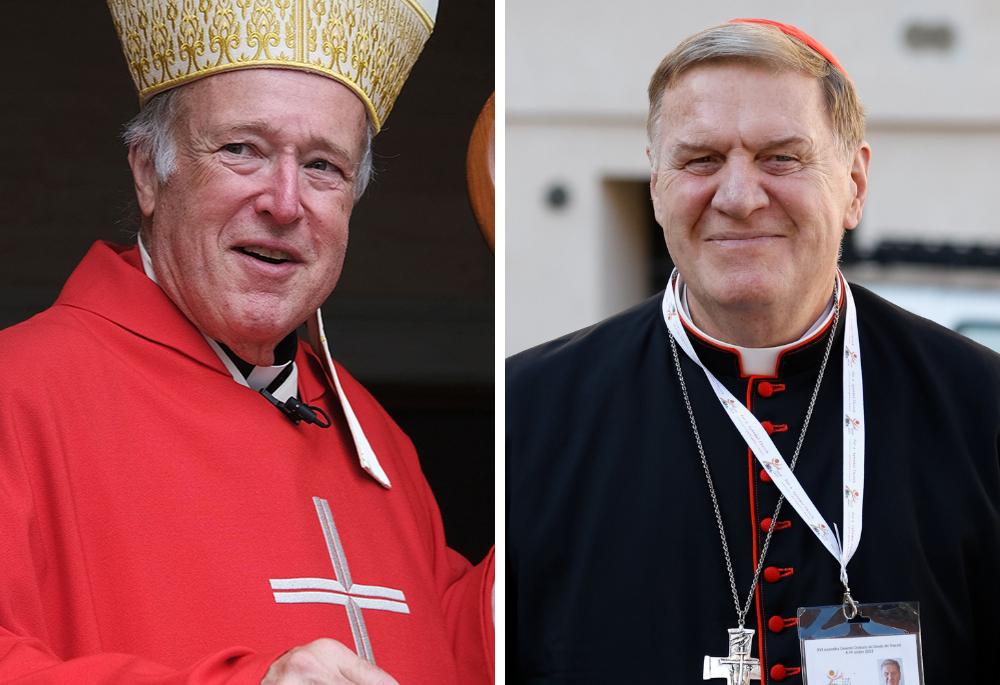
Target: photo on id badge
x,y
890,672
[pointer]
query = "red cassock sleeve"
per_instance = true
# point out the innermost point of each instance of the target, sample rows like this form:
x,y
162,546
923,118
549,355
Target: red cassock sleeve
x,y
469,612
26,660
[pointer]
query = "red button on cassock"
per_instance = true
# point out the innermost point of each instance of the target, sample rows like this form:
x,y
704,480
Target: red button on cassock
x,y
765,525
766,388
772,428
773,574
778,672
764,476
776,624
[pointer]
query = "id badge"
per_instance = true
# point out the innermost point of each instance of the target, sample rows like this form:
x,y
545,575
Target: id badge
x,y
881,644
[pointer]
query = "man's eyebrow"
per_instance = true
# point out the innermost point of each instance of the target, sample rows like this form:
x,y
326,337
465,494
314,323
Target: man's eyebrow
x,y
682,147
785,141
321,143
247,127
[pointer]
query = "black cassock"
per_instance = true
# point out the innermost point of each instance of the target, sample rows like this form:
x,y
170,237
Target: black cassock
x,y
615,567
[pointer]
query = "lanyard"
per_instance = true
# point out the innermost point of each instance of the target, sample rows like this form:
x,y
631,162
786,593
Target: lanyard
x,y
842,548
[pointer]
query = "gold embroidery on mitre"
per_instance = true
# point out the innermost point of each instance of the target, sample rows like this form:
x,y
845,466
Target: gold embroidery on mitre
x,y
369,45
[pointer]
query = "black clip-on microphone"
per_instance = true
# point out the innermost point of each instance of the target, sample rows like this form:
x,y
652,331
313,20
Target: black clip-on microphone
x,y
299,411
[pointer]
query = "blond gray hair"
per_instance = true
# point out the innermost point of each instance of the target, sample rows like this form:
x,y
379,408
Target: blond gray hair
x,y
763,46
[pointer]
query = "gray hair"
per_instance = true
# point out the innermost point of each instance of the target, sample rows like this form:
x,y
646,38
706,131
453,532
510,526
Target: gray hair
x,y
151,132
759,45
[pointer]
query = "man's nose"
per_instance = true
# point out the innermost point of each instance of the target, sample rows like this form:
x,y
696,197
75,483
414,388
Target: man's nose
x,y
739,193
281,196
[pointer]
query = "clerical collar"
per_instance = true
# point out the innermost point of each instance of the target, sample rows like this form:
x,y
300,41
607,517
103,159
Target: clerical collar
x,y
147,263
753,361
258,377
243,372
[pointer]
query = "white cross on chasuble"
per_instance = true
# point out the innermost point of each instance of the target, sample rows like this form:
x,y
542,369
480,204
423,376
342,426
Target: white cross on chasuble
x,y
341,589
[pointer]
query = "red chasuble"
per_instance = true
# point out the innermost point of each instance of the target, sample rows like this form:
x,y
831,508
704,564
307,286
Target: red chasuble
x,y
160,523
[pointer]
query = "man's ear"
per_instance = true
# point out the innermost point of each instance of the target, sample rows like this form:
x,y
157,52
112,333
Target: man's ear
x,y
653,178
147,183
859,184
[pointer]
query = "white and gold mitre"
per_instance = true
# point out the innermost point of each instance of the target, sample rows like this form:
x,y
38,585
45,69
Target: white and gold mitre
x,y
369,45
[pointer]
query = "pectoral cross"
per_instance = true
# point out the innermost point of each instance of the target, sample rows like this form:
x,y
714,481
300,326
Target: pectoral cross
x,y
739,668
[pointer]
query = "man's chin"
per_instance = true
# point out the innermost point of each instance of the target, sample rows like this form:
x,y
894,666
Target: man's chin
x,y
254,333
742,289
258,330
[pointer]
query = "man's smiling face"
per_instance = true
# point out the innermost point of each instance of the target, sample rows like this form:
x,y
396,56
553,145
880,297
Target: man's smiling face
x,y
749,186
248,235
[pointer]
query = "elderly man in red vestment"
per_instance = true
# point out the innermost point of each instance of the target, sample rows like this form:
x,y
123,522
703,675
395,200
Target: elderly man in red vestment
x,y
190,494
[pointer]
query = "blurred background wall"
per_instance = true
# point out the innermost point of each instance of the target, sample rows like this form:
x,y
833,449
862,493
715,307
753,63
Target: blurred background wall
x,y
581,240
412,317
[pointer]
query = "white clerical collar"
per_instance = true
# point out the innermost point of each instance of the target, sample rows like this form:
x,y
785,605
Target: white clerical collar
x,y
147,263
261,376
754,361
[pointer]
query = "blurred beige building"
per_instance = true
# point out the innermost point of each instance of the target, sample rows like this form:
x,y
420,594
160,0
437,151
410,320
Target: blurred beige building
x,y
581,243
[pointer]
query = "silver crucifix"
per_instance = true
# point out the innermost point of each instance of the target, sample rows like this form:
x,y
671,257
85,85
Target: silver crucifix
x,y
739,668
